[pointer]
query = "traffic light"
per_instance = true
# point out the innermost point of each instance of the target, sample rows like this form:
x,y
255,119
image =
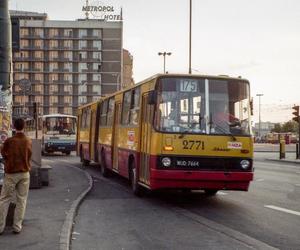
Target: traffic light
x,y
296,113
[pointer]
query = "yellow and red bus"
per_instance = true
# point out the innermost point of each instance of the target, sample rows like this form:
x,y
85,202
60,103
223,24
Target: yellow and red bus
x,y
173,131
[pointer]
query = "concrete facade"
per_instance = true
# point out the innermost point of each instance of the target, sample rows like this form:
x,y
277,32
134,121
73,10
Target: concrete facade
x,y
64,64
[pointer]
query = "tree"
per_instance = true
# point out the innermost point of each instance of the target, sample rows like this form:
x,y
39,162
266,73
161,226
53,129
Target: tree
x,y
290,126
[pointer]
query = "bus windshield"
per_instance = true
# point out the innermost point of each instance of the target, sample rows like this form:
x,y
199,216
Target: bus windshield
x,y
60,125
203,106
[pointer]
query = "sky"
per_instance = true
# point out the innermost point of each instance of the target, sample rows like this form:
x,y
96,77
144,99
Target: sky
x,y
256,39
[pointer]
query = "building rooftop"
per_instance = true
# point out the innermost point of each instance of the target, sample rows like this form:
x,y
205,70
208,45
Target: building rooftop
x,y
28,15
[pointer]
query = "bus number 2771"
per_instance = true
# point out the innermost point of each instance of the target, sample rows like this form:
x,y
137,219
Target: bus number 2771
x,y
190,144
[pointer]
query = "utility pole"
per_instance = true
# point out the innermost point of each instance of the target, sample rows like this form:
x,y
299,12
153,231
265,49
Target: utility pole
x,y
190,40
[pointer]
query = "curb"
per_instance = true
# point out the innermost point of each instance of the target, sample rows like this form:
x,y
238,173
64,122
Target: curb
x,y
66,230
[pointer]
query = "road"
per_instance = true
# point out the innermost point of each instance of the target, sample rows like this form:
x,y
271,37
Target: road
x,y
268,215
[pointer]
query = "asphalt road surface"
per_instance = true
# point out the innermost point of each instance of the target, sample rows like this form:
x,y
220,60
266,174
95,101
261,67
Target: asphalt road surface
x,y
266,216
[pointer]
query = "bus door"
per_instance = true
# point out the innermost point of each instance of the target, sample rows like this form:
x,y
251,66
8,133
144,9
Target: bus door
x,y
92,134
115,149
145,140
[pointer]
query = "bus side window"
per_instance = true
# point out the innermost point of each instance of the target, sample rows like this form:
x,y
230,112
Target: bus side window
x,y
135,106
126,107
103,113
110,112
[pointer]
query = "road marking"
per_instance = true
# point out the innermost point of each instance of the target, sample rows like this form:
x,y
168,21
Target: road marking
x,y
298,184
283,209
47,160
221,193
258,180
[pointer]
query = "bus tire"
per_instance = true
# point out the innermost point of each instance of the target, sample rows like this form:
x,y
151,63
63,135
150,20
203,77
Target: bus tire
x,y
104,171
135,187
210,192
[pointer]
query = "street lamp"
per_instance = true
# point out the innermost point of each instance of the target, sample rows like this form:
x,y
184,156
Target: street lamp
x,y
190,40
164,54
259,115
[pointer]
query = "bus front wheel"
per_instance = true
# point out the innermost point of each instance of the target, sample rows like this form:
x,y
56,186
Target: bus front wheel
x,y
104,171
211,192
136,188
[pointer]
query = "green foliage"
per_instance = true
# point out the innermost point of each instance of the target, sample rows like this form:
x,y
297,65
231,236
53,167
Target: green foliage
x,y
290,126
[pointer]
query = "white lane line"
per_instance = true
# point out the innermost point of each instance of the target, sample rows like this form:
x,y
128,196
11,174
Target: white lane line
x,y
258,180
46,160
283,209
298,184
221,193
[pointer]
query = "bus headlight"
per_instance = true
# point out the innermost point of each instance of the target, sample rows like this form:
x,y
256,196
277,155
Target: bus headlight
x,y
166,161
245,164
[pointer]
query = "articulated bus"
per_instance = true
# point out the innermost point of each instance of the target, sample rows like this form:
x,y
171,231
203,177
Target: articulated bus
x,y
56,131
172,131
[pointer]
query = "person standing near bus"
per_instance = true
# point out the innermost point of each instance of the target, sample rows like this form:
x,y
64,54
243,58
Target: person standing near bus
x,y
16,152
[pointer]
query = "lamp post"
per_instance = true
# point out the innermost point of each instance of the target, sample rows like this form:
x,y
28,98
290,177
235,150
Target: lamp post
x,y
190,40
259,114
164,54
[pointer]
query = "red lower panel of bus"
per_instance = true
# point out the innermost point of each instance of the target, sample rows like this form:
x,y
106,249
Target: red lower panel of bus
x,y
200,179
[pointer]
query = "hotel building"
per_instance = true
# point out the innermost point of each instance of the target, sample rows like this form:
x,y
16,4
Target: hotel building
x,y
64,64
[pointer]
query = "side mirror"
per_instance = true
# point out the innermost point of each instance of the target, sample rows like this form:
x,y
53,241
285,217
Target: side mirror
x,y
152,98
251,106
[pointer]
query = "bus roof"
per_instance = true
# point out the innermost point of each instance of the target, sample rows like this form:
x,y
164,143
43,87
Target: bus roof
x,y
58,115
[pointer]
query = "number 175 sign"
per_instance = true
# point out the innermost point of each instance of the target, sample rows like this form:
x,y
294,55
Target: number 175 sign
x,y
188,85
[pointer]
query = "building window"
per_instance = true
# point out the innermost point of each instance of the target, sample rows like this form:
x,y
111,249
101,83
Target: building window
x,y
82,100
52,110
53,99
68,110
68,44
97,89
82,33
53,78
68,32
21,76
53,32
24,32
97,55
38,99
38,44
97,32
97,78
82,78
38,88
97,44
68,66
53,89
38,32
82,55
53,44
24,43
82,89
82,44
68,55
53,55
68,99
38,54
68,78
82,66
38,66
38,77
53,66
68,88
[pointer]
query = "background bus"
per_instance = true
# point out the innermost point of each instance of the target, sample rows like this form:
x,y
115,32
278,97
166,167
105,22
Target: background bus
x,y
173,131
57,132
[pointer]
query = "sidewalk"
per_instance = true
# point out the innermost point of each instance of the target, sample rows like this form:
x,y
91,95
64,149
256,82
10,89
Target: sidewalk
x,y
47,210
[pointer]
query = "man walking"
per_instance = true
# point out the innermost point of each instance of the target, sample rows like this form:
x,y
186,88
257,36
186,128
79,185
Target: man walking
x,y
16,152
